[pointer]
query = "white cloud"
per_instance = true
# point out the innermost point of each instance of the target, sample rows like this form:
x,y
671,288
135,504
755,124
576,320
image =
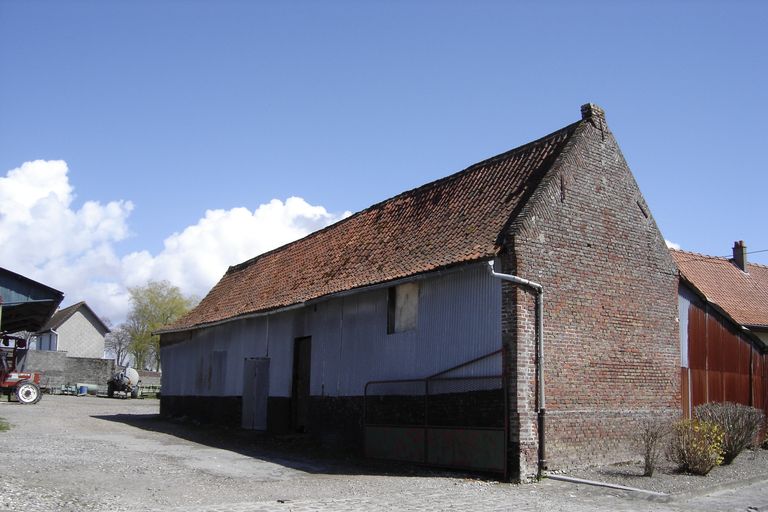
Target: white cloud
x,y
45,237
672,245
198,256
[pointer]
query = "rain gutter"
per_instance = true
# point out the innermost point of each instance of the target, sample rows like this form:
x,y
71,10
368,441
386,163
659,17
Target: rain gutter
x,y
539,291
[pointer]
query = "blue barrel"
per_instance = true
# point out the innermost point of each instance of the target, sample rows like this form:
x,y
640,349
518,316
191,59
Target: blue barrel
x,y
83,390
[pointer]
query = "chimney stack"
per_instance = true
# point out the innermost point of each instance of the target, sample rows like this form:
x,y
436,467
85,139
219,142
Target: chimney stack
x,y
740,255
595,115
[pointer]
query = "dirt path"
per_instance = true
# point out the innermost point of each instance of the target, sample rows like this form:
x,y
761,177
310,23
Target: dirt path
x,y
86,453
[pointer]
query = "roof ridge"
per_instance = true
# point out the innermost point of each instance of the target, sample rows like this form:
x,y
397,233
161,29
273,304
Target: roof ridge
x,y
71,306
427,186
63,314
702,256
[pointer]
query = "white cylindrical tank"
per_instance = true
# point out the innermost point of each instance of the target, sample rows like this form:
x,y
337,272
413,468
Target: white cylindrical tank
x,y
131,376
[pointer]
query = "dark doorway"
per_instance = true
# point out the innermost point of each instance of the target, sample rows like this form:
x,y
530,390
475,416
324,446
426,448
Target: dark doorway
x,y
302,350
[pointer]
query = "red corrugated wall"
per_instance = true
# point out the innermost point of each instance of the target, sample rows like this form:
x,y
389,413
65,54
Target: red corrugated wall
x,y
724,366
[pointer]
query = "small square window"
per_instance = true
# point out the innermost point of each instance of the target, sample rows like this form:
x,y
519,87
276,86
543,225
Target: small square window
x,y
402,307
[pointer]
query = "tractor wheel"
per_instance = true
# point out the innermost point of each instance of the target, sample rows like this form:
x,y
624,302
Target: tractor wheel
x,y
110,390
28,393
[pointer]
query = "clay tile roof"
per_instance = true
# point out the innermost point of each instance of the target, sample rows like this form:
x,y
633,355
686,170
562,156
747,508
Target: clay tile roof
x,y
743,295
453,220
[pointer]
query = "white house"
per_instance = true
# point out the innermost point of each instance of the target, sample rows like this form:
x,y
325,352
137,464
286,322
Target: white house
x,y
76,330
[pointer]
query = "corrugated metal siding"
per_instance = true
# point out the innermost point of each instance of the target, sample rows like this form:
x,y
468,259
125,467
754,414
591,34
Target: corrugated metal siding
x,y
697,354
326,348
459,320
714,359
188,368
462,321
721,360
760,380
684,299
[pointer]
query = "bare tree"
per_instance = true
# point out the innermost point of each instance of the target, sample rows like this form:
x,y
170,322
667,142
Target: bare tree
x,y
651,433
118,342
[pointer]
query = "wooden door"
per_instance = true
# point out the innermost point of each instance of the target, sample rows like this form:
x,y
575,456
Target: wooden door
x,y
255,393
302,350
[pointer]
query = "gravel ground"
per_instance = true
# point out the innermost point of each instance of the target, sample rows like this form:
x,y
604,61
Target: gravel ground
x,y
749,465
85,453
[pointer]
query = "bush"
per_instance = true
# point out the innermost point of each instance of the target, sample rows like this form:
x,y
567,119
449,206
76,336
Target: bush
x,y
696,446
740,425
650,433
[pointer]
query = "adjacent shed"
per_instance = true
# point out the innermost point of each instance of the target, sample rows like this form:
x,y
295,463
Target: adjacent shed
x,y
723,306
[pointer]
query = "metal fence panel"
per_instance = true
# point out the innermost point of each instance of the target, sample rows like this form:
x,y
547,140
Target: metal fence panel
x,y
447,421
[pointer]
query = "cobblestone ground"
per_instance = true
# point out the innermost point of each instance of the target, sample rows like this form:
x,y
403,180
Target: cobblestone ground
x,y
87,453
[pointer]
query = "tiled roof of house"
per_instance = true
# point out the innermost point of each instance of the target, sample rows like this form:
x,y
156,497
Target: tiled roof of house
x,y
457,219
743,295
64,314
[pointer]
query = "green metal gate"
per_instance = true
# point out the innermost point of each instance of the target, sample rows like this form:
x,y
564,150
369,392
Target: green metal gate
x,y
454,419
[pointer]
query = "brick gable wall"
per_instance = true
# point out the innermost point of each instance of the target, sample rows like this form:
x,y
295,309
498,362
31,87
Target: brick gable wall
x,y
611,333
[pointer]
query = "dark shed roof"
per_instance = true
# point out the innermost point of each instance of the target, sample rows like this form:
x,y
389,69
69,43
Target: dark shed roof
x,y
27,304
454,220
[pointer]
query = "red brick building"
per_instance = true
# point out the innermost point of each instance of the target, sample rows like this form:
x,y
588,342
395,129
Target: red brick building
x,y
387,331
723,329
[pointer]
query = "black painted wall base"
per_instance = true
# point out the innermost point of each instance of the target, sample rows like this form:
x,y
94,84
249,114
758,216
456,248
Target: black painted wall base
x,y
335,421
217,410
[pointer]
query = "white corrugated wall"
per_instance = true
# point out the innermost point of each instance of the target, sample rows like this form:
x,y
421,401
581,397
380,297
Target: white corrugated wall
x,y
459,319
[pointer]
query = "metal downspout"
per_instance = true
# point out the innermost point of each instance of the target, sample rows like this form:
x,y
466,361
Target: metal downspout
x,y
539,290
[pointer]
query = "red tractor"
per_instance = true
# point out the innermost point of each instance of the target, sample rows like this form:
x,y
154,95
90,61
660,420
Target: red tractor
x,y
24,385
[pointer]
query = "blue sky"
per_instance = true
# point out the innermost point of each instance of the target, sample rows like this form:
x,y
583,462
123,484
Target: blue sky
x,y
163,110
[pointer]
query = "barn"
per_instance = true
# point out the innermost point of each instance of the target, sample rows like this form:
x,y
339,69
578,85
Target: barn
x,y
517,315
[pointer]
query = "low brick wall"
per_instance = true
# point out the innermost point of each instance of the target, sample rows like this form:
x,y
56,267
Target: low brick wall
x,y
52,366
150,378
580,438
58,369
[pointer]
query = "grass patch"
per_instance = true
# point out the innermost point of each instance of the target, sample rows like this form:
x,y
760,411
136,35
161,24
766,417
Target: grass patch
x,y
4,425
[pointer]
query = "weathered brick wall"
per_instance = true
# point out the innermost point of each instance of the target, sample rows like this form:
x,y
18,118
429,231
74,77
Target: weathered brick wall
x,y
518,335
89,370
611,335
52,365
